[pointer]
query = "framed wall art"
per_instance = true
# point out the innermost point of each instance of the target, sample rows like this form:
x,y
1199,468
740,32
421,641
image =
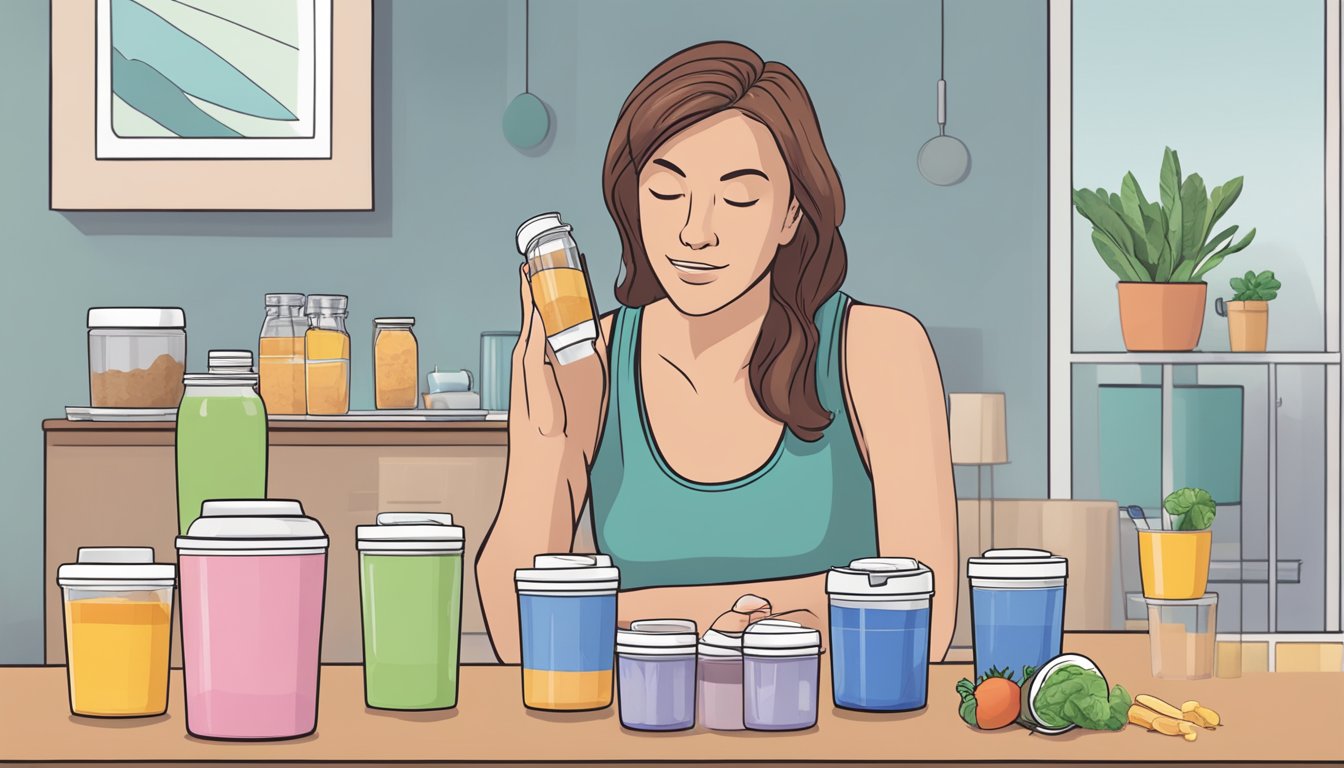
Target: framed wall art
x,y
211,105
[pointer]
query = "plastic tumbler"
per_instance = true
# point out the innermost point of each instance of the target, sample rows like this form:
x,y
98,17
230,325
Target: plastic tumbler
x,y
118,630
496,368
567,619
1017,608
780,672
253,576
410,583
880,608
655,660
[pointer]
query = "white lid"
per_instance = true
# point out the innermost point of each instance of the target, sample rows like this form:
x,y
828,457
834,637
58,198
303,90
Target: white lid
x,y
881,577
1017,564
778,637
658,637
116,566
722,644
252,525
394,321
568,573
410,532
537,226
137,317
575,352
230,361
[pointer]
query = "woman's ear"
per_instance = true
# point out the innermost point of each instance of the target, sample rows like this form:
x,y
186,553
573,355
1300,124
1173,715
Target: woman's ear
x,y
792,218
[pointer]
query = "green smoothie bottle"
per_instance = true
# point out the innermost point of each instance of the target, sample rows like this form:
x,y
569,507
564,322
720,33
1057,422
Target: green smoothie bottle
x,y
221,442
410,583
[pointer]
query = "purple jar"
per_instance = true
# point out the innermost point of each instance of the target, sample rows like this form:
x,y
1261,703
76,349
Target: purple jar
x,y
655,679
780,665
718,696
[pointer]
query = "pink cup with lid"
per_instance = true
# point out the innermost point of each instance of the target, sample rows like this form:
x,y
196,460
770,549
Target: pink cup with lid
x,y
253,578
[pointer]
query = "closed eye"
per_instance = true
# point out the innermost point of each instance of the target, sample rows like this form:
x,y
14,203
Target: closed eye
x,y
735,204
661,196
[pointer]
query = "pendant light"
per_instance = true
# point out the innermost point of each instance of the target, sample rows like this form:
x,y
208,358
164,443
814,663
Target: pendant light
x,y
526,122
943,160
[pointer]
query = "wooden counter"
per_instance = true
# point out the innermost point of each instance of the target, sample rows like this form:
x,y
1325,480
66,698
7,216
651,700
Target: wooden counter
x,y
115,484
1271,719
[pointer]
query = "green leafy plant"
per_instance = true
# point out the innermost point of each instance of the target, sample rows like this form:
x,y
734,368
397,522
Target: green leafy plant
x,y
1253,287
1078,696
1191,509
1164,241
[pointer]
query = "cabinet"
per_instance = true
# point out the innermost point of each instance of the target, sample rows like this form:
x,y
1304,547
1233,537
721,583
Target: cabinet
x,y
114,484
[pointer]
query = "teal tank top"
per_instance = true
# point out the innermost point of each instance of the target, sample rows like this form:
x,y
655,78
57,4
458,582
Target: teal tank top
x,y
809,507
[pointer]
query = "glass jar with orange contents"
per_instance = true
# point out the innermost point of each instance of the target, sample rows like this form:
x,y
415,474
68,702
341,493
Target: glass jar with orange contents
x,y
327,355
281,364
396,363
559,286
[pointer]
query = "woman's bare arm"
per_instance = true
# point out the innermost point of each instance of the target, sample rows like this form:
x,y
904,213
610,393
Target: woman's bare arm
x,y
896,392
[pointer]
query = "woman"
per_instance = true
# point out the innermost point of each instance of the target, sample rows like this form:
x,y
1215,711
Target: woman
x,y
744,426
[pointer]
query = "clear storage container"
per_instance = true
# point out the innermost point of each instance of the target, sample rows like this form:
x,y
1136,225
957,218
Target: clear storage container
x,y
559,286
137,356
327,356
780,673
1182,637
280,348
118,625
396,363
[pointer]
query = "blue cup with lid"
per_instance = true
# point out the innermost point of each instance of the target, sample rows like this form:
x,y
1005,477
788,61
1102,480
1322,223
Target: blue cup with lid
x,y
1017,608
880,609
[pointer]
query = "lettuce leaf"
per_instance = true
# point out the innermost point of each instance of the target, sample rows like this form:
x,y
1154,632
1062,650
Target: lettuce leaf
x,y
1073,695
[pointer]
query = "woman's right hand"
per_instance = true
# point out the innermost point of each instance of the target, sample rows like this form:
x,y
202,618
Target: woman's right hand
x,y
553,409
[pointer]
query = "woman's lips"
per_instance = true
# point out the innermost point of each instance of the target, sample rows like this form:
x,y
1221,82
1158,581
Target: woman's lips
x,y
695,272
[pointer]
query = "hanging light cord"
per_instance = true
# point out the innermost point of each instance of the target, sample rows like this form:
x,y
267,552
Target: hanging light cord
x,y
527,46
942,38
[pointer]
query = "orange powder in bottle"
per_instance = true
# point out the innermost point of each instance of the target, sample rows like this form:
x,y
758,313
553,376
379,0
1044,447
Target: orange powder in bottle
x,y
327,372
562,298
283,386
396,368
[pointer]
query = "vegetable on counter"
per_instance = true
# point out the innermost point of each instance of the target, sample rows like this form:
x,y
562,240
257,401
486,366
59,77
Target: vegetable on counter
x,y
1157,715
1075,695
994,701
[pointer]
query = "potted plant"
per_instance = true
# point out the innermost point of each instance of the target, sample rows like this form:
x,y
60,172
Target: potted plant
x,y
1248,312
1174,561
1161,251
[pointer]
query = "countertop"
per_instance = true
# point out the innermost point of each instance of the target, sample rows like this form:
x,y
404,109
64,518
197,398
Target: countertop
x,y
1271,718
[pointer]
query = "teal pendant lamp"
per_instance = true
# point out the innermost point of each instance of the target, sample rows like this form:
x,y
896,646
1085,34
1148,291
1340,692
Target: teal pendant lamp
x,y
943,160
526,122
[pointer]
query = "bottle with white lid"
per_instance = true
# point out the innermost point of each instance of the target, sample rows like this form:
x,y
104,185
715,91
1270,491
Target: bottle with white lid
x,y
410,583
718,696
137,356
656,674
560,286
780,673
1017,608
221,438
567,623
880,609
253,583
118,631
234,362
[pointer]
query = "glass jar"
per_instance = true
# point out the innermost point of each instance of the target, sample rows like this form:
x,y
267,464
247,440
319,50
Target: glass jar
x,y
559,286
280,348
137,356
327,356
396,363
221,443
118,619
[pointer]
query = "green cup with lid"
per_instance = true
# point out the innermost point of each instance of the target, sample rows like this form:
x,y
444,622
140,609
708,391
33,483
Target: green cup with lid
x,y
410,581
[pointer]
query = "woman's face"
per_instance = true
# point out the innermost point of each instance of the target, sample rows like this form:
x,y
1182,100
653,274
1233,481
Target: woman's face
x,y
714,205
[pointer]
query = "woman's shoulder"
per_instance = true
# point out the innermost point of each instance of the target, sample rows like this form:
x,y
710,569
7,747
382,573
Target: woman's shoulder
x,y
869,327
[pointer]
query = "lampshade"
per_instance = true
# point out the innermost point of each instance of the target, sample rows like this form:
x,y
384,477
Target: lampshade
x,y
978,427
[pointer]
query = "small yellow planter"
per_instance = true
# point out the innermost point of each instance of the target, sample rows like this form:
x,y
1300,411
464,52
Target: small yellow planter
x,y
1174,564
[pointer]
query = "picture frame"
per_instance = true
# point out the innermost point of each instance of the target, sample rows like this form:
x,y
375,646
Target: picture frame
x,y
182,136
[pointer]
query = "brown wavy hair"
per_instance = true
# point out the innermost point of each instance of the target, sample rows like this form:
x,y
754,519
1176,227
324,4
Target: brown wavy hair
x,y
684,89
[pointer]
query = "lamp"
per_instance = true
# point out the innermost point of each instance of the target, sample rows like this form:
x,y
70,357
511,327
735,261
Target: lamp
x,y
978,427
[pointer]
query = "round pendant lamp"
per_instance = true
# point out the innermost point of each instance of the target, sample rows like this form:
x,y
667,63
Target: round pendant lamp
x,y
943,160
526,121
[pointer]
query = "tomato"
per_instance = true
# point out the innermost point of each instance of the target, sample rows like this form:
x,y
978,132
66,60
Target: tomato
x,y
998,701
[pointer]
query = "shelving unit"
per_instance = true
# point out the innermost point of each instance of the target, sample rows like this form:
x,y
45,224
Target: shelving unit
x,y
1065,358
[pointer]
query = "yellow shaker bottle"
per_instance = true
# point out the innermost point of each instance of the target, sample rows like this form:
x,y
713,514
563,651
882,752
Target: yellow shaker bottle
x,y
118,624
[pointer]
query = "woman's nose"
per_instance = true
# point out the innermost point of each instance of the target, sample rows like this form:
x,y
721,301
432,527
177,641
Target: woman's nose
x,y
699,231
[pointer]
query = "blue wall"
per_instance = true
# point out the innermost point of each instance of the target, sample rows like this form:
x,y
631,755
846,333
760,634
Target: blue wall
x,y
970,260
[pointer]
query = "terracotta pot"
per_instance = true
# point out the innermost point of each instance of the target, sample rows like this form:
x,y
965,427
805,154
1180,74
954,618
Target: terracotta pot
x,y
1161,317
1247,324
